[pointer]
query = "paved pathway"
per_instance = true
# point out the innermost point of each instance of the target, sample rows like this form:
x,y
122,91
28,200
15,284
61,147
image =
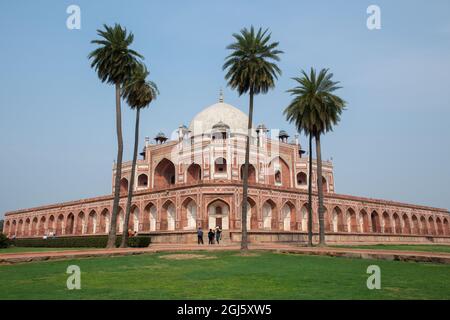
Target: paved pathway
x,y
400,255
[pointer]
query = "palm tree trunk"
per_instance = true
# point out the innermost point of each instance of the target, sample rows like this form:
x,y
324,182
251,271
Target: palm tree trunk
x,y
320,192
244,238
124,243
112,230
310,222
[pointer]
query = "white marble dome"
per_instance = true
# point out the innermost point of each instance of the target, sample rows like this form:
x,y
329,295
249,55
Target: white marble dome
x,y
231,116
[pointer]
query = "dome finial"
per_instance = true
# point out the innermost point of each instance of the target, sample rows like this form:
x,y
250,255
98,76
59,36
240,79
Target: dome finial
x,y
221,95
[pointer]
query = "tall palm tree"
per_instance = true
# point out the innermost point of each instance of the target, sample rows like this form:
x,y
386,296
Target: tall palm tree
x,y
300,112
319,109
114,61
251,69
139,93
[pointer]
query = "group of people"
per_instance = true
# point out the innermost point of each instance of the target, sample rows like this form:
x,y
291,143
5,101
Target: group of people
x,y
212,234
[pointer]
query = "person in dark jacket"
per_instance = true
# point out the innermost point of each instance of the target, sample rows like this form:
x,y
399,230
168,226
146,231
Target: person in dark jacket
x,y
211,236
200,235
218,234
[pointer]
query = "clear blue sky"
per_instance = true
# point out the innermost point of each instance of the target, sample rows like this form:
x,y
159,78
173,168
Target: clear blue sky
x,y
57,136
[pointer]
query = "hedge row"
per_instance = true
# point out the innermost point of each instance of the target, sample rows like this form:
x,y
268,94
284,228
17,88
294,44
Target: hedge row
x,y
75,242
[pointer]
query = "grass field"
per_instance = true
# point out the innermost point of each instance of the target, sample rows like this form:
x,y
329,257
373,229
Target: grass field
x,y
225,275
410,247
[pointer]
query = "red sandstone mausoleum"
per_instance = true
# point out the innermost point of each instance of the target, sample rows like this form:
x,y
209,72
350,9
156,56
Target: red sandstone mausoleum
x,y
195,180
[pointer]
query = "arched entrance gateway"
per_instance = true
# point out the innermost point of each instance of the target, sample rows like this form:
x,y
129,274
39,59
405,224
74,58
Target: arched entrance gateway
x,y
218,214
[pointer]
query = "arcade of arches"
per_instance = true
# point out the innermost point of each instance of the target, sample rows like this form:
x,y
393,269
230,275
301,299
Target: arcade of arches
x,y
263,215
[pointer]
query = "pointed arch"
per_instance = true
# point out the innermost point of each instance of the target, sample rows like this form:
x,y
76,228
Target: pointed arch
x,y
105,221
445,226
124,186
337,220
251,173
218,214
375,219
189,214
252,215
133,221
386,227
423,226
270,221
193,173
149,219
34,226
81,223
304,217
327,219
27,227
288,216
51,225
168,216
20,228
363,221
60,225
120,220
431,226
164,174
324,185
440,230
415,225
14,227
352,223
70,224
7,228
406,224
220,165
397,226
142,180
279,172
41,229
302,179
92,222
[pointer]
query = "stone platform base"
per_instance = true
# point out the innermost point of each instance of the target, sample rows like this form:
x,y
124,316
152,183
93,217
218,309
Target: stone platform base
x,y
189,237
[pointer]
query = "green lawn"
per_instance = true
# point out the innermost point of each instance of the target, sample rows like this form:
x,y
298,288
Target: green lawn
x,y
36,249
410,247
225,275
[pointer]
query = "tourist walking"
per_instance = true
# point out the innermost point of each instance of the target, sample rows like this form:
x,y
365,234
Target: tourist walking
x,y
218,234
211,236
200,236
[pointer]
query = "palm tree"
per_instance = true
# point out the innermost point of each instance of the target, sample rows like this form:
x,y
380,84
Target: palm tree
x,y
315,109
114,61
251,69
299,112
139,93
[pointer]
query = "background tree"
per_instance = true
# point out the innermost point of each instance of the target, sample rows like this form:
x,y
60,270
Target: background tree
x,y
316,110
251,69
139,93
114,61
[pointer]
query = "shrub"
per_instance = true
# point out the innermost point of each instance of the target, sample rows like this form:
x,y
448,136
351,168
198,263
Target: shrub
x,y
75,242
4,241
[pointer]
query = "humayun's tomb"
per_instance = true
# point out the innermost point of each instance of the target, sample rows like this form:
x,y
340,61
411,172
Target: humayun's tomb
x,y
195,179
